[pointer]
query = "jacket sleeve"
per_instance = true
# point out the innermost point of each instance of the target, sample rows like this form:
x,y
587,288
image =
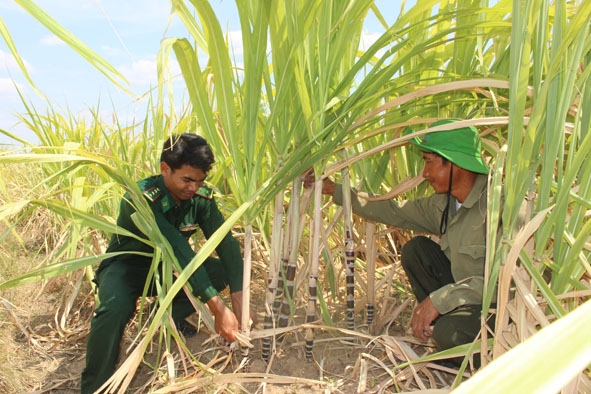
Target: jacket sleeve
x,y
422,215
454,295
200,282
418,215
210,219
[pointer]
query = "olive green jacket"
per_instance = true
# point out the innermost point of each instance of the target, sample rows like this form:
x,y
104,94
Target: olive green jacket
x,y
464,242
177,223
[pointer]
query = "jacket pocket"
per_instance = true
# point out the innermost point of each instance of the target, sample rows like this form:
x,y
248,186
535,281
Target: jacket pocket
x,y
474,251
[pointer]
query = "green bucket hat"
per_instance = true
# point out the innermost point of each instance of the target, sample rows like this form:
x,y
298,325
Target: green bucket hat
x,y
459,146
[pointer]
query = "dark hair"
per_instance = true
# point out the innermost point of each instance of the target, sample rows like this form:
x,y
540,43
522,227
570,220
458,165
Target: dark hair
x,y
444,161
189,149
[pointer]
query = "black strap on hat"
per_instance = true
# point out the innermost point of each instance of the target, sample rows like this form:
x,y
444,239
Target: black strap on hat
x,y
445,214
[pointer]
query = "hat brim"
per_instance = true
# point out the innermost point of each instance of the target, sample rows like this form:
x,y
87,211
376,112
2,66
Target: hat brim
x,y
467,162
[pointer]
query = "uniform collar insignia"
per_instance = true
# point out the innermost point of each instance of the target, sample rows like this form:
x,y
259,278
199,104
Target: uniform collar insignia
x,y
153,193
205,192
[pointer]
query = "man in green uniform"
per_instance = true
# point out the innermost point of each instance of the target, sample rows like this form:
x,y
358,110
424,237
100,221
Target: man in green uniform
x,y
447,278
180,203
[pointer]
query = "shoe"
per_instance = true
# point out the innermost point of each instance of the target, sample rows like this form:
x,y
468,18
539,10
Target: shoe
x,y
186,328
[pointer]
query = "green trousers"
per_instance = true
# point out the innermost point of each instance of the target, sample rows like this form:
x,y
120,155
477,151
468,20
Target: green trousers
x,y
428,269
119,286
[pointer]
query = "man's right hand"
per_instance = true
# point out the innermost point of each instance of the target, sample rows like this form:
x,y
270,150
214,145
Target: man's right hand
x,y
236,299
226,323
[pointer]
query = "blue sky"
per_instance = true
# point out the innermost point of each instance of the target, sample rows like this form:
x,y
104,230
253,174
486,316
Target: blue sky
x,y
126,33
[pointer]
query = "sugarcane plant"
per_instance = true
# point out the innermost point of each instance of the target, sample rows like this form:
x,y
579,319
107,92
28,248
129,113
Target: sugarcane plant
x,y
309,95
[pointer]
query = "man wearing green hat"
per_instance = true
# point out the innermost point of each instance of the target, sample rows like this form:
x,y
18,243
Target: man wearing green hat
x,y
447,278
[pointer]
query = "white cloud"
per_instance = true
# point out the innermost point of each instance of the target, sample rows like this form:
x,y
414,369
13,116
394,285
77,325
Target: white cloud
x,y
111,51
8,89
8,5
143,72
14,126
8,63
368,39
52,41
143,12
235,46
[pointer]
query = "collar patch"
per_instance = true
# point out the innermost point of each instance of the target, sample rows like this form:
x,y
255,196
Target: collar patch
x,y
205,192
165,204
153,193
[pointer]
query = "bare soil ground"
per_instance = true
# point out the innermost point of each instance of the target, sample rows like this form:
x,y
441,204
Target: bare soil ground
x,y
44,354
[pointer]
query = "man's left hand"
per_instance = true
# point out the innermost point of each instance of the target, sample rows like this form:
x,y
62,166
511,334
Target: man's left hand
x,y
422,317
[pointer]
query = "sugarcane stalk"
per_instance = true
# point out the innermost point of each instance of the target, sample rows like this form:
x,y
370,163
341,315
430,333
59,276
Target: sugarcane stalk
x,y
349,249
245,321
280,286
314,261
273,274
292,251
284,258
370,254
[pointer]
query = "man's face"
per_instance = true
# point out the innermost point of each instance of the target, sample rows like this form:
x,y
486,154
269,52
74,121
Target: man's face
x,y
183,182
436,172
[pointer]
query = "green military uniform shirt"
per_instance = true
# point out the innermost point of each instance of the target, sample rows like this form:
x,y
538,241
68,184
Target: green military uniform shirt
x,y
177,223
464,243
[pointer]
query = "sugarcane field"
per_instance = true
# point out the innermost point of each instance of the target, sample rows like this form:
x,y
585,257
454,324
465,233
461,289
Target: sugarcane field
x,y
344,359
323,196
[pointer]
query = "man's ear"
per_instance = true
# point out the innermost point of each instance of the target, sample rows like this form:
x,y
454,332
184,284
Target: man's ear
x,y
164,168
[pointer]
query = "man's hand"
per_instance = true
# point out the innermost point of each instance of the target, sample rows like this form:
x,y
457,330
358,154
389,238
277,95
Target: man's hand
x,y
328,186
237,308
422,317
226,323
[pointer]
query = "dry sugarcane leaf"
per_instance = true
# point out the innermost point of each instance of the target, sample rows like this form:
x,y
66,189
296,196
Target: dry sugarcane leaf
x,y
508,269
